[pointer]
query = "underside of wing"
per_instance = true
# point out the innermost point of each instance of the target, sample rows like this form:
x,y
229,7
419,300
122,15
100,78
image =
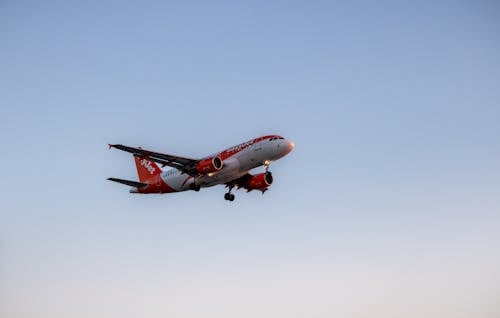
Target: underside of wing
x,y
240,182
260,182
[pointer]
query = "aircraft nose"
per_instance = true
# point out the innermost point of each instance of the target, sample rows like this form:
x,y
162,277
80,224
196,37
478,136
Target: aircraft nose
x,y
290,145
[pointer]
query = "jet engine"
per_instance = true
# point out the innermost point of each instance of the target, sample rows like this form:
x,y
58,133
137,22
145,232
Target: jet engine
x,y
260,181
209,165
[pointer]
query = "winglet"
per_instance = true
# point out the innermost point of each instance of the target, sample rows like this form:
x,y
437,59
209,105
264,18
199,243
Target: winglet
x,y
110,146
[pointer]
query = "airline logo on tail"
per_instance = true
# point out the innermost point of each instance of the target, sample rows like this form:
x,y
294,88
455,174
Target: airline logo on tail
x,y
147,164
146,169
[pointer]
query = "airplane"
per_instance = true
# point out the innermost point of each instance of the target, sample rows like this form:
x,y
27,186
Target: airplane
x,y
229,167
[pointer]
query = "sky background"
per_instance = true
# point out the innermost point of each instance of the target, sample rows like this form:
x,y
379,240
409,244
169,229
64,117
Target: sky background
x,y
389,205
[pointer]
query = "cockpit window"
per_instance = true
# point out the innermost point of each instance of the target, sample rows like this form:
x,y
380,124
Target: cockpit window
x,y
275,138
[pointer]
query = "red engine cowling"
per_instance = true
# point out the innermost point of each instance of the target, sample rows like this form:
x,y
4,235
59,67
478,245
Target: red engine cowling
x,y
260,181
209,165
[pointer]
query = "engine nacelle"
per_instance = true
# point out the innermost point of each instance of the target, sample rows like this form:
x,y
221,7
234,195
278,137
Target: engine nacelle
x,y
260,181
209,165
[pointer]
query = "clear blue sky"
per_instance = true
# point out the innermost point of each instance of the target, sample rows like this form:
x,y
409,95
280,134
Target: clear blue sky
x,y
388,207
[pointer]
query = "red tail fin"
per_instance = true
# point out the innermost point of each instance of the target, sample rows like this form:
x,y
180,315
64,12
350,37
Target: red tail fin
x,y
146,169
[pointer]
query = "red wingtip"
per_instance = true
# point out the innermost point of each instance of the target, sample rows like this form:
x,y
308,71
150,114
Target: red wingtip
x,y
110,146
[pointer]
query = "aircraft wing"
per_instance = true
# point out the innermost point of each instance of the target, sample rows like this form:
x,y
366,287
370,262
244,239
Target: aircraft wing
x,y
183,164
240,182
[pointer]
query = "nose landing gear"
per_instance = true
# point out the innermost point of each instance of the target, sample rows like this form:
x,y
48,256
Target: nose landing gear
x,y
267,163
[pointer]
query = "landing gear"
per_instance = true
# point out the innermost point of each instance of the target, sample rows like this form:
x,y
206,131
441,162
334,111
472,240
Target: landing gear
x,y
267,163
195,187
228,196
269,175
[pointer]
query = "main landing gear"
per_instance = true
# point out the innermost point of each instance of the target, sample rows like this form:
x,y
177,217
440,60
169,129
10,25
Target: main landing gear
x,y
195,187
229,196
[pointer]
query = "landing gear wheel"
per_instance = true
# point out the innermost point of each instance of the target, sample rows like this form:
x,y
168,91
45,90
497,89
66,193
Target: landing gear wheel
x,y
229,196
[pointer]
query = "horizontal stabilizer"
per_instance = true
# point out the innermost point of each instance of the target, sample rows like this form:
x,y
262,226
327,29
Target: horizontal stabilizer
x,y
129,183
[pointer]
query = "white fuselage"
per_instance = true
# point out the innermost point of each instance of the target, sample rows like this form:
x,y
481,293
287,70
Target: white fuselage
x,y
237,161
